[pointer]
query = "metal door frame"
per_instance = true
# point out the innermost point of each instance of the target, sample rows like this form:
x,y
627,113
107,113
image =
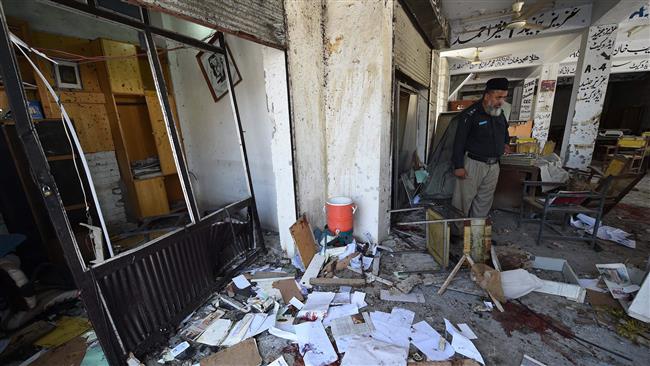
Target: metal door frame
x,y
94,299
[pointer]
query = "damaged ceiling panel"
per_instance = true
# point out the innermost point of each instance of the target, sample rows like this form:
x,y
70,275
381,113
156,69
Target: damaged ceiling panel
x,y
261,21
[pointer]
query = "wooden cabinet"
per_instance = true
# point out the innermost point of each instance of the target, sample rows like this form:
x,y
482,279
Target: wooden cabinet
x,y
160,136
139,130
152,196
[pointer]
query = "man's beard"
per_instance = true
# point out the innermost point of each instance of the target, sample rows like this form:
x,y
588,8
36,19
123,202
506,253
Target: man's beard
x,y
493,111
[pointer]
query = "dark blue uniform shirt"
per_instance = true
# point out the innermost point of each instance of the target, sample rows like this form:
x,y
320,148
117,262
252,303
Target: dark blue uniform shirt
x,y
479,133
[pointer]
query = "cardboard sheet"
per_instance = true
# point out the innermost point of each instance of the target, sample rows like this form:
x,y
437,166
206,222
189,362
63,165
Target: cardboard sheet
x,y
303,236
288,289
241,354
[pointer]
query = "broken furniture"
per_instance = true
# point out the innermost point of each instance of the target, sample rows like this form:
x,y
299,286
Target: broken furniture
x,y
565,203
508,191
477,234
617,177
468,258
634,148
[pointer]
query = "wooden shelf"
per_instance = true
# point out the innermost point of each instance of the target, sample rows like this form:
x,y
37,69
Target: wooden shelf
x,y
160,175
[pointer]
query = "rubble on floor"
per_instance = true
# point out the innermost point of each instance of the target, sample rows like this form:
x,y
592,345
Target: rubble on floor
x,y
378,303
365,303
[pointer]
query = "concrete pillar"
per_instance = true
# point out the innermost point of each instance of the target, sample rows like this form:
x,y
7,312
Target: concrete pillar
x,y
306,72
275,81
588,96
340,77
358,66
544,102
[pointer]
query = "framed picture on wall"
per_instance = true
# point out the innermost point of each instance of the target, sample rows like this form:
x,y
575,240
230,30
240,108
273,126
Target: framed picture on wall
x,y
213,67
67,75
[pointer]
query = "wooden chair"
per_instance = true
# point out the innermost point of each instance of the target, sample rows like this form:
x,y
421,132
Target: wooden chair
x,y
566,203
617,178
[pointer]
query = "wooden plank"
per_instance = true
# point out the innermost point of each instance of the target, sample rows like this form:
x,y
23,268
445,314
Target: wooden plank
x,y
4,101
124,71
304,239
452,274
82,97
160,136
438,236
353,282
313,270
151,196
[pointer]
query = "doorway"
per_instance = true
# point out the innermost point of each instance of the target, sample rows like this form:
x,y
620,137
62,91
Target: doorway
x,y
409,141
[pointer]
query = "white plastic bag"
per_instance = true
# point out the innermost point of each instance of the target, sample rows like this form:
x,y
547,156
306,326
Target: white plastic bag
x,y
519,282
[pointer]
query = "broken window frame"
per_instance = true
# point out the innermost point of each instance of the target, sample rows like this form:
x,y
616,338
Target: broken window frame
x,y
170,259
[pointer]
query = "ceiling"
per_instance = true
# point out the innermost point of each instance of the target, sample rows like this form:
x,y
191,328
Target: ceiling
x,y
461,9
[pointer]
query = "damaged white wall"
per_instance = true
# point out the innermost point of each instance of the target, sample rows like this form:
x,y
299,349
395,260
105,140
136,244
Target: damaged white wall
x,y
306,80
209,131
341,78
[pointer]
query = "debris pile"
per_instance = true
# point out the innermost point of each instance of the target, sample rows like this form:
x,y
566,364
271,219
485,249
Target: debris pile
x,y
323,312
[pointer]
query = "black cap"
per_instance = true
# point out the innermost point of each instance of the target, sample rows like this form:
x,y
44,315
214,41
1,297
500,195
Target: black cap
x,y
497,84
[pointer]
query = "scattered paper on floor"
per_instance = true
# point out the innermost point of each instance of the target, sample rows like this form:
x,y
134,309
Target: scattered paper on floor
x,y
617,280
467,331
280,361
215,333
605,232
336,312
463,345
391,328
350,328
241,282
316,305
315,346
359,299
369,351
427,340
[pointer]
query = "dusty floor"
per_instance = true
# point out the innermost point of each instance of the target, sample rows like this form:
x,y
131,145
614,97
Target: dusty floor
x,y
504,338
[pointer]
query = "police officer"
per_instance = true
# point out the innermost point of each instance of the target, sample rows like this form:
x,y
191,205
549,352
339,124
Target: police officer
x,y
481,138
